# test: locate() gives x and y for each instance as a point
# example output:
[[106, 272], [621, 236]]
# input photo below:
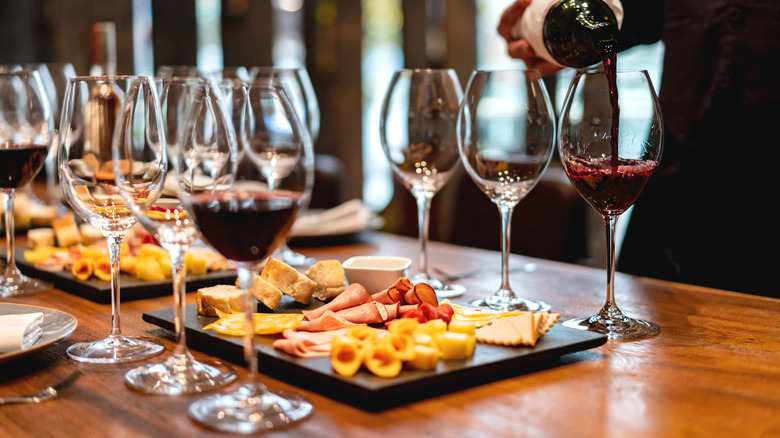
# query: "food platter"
[[131, 288], [364, 390], [56, 326]]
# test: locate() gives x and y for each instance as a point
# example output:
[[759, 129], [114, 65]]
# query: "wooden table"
[[713, 371]]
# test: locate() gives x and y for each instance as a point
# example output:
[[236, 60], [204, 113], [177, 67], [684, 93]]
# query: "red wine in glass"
[[244, 227], [610, 185], [19, 163]]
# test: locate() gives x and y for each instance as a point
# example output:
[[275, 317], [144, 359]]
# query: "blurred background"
[[350, 49]]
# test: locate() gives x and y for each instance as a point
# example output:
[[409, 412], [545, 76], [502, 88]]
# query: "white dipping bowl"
[[375, 273]]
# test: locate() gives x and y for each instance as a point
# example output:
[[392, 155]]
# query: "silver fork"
[[447, 277], [48, 393]]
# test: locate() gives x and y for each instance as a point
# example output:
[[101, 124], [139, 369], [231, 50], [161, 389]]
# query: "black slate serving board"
[[369, 392], [130, 288]]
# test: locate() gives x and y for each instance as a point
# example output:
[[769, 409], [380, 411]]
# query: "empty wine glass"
[[137, 167], [85, 162], [59, 72], [417, 130], [610, 140], [506, 137], [245, 213], [26, 130], [298, 87]]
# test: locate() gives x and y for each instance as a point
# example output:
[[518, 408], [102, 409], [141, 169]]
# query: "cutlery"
[[527, 267], [48, 393]]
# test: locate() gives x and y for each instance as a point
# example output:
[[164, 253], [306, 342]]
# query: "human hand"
[[520, 48]]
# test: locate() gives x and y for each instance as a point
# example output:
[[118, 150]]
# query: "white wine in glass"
[[89, 122], [170, 224]]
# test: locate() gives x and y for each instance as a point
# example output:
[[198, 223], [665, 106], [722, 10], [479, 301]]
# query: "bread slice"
[[90, 234], [66, 231], [265, 292], [330, 279], [37, 237], [226, 298], [288, 280]]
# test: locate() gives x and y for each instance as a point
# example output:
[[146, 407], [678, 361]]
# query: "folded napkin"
[[350, 217], [20, 331]]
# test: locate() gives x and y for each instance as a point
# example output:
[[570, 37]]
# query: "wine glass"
[[173, 228], [26, 130], [609, 152], [298, 87], [506, 129], [417, 130], [245, 213], [59, 72], [85, 162]]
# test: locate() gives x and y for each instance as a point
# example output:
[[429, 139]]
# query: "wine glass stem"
[[179, 269], [244, 279], [114, 241], [8, 196], [506, 234], [610, 221], [423, 223]]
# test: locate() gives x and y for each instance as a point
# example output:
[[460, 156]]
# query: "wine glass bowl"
[[169, 223], [26, 131], [610, 142], [506, 129], [96, 110], [418, 136], [245, 216]]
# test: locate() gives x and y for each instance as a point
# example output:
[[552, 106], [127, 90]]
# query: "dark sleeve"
[[642, 22]]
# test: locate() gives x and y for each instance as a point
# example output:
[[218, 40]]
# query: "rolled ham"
[[355, 295], [394, 293]]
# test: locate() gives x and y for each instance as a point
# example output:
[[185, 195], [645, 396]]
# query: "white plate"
[[56, 326]]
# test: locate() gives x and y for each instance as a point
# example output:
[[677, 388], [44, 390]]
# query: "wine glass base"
[[250, 409], [619, 328], [512, 304], [450, 290], [115, 349], [180, 375], [291, 257], [14, 283], [443, 290]]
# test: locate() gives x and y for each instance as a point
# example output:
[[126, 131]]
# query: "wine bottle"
[[571, 33], [103, 49]]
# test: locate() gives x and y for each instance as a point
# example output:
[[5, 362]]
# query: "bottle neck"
[[103, 49]]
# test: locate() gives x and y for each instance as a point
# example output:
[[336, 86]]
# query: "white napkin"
[[350, 217], [20, 331]]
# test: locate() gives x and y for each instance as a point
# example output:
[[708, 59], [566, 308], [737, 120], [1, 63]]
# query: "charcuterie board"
[[369, 392]]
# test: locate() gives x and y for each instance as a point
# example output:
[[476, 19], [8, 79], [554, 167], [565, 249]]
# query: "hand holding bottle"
[[551, 34], [520, 48]]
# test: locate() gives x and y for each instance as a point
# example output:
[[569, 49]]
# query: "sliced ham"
[[328, 321], [307, 344], [370, 313], [355, 295], [302, 347]]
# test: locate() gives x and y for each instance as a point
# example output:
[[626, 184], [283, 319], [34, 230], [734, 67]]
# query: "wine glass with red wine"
[[90, 119], [506, 129], [26, 131], [610, 139], [168, 222], [245, 213], [417, 131]]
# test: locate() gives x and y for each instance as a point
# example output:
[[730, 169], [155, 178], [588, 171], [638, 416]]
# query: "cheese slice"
[[524, 328]]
